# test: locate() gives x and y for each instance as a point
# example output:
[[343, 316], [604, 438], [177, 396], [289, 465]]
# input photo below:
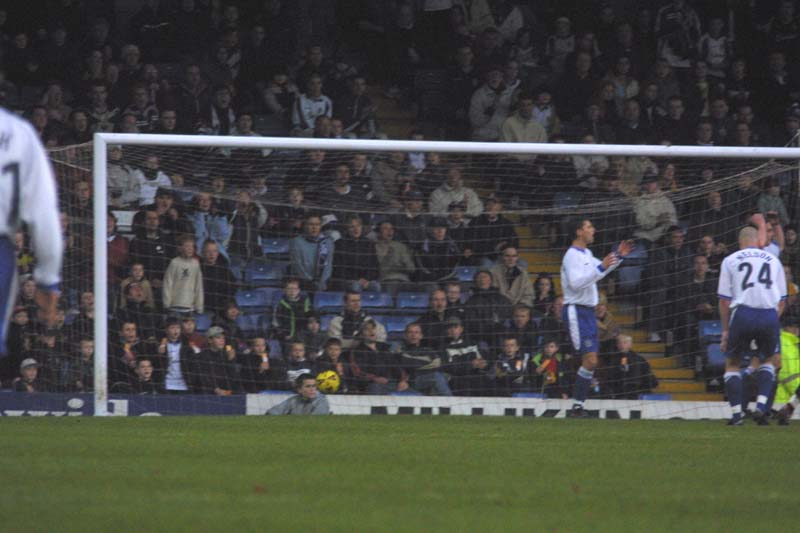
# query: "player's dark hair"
[[301, 378]]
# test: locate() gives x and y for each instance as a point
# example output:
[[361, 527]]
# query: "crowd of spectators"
[[630, 72]]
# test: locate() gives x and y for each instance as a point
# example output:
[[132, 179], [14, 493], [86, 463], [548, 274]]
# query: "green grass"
[[395, 474]]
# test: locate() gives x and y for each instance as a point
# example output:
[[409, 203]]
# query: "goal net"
[[230, 264]]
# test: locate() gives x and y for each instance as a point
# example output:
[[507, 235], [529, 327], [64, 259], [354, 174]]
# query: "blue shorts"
[[759, 325], [582, 327], [8, 287]]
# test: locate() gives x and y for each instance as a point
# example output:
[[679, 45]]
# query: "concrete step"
[[673, 373], [697, 397], [676, 385], [662, 363], [649, 347]]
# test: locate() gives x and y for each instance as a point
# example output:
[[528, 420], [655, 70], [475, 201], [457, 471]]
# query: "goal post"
[[740, 161]]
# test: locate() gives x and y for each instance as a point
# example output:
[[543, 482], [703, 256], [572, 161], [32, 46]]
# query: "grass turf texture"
[[395, 474]]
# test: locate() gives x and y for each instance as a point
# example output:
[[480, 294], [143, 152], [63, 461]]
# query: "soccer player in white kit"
[[580, 272], [27, 195], [752, 293]]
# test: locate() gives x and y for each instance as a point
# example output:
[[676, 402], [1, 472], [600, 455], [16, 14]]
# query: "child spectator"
[[312, 336], [137, 274], [628, 373], [29, 377], [511, 368], [297, 364], [264, 372], [331, 359], [552, 372], [291, 312], [183, 281]]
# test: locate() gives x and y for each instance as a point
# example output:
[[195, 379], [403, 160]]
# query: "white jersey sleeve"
[[752, 278], [28, 194], [580, 272]]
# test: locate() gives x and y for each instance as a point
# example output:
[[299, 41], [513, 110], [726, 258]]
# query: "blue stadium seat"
[[251, 324], [716, 359], [255, 300], [538, 395], [629, 277], [202, 322], [265, 273], [376, 300], [405, 393], [567, 200], [662, 397], [466, 273], [396, 323], [329, 301], [275, 247], [709, 331], [275, 349], [412, 300], [325, 321]]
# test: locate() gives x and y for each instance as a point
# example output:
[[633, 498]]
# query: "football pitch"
[[395, 473]]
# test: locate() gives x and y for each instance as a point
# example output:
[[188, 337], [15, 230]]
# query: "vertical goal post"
[[102, 141]]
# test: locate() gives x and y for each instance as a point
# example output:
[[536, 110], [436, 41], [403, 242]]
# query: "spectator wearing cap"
[[347, 325], [454, 190], [411, 224], [486, 309], [183, 280], [464, 363], [178, 362], [28, 381], [355, 263], [219, 365], [655, 213], [376, 369], [438, 254], [395, 260], [491, 232], [489, 106], [511, 280]]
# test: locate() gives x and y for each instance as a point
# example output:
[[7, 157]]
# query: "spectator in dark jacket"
[[219, 282], [629, 373], [375, 368], [220, 369], [487, 309], [152, 248], [246, 221], [262, 371], [465, 363], [332, 359], [422, 365], [438, 254], [491, 233], [355, 265], [29, 377], [177, 362], [291, 311], [433, 322]]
